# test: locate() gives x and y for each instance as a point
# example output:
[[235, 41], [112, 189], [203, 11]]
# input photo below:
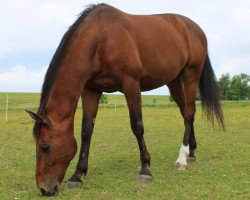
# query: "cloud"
[[20, 79], [234, 65], [2, 55], [33, 27], [27, 25]]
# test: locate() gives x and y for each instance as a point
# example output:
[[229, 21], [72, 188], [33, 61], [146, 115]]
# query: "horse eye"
[[45, 148]]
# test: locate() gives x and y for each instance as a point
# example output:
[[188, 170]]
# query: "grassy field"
[[221, 171]]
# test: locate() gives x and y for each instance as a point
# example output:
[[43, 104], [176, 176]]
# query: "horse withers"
[[107, 50]]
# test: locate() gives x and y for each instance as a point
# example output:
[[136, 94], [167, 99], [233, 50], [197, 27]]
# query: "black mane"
[[56, 61]]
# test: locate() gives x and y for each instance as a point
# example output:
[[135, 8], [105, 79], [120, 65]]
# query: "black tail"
[[210, 94]]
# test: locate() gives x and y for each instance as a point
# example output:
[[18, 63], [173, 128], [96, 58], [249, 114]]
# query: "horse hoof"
[[180, 167], [71, 185], [144, 178], [191, 159]]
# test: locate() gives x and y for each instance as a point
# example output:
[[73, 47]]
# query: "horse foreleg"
[[90, 101], [132, 93]]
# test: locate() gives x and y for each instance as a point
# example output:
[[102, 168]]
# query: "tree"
[[239, 87], [224, 85], [235, 88]]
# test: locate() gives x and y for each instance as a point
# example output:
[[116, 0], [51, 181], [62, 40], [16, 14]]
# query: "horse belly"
[[150, 84], [158, 78], [105, 84], [161, 67]]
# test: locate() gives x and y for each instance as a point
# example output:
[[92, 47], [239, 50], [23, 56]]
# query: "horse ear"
[[35, 116]]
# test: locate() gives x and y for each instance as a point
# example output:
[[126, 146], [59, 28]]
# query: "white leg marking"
[[184, 152]]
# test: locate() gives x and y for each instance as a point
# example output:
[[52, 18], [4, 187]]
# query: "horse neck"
[[63, 98], [65, 93], [71, 77]]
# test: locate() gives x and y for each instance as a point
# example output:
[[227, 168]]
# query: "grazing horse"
[[107, 50]]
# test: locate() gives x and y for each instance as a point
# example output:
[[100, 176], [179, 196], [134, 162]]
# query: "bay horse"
[[107, 50]]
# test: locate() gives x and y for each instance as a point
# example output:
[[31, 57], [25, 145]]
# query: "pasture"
[[220, 172]]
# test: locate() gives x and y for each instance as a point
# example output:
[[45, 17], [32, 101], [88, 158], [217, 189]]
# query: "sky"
[[30, 31]]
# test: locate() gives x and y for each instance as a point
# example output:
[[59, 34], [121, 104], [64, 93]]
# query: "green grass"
[[221, 171]]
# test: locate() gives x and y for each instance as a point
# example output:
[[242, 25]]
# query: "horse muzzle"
[[50, 190]]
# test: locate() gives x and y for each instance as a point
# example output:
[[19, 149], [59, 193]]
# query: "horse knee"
[[137, 128]]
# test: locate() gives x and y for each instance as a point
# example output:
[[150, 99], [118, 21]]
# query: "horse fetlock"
[[145, 170]]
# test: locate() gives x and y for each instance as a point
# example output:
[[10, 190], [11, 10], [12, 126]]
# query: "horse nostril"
[[42, 191], [56, 190]]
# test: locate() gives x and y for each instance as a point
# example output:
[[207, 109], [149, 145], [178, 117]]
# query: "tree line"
[[234, 88]]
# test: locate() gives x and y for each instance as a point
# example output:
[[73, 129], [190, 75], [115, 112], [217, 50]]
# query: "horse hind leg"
[[176, 91], [90, 100], [179, 92]]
